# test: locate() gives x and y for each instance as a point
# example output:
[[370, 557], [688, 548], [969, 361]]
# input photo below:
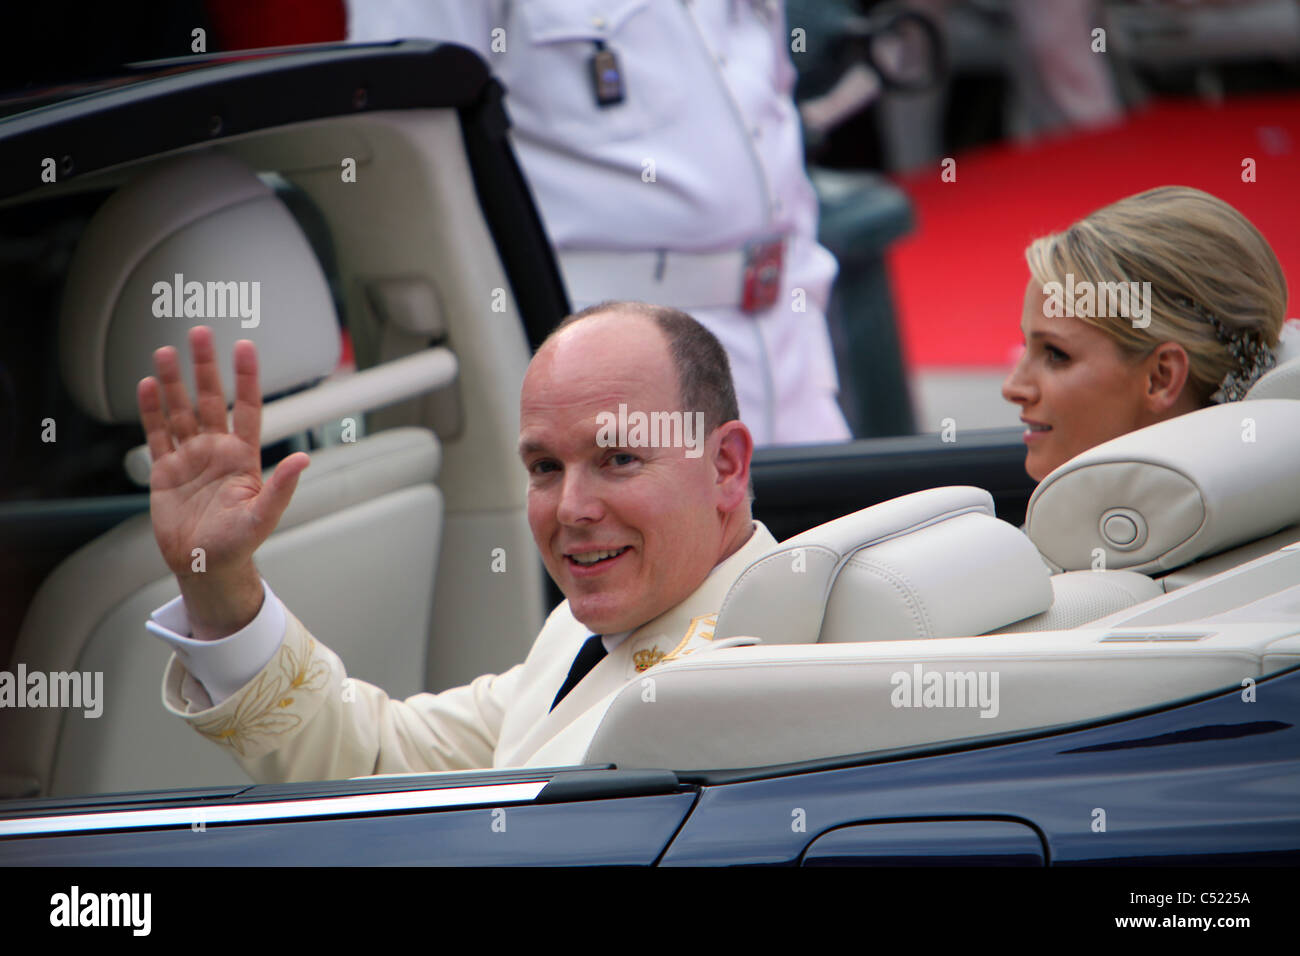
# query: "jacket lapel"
[[676, 632]]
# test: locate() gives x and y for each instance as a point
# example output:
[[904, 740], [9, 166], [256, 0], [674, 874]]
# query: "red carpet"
[[959, 279]]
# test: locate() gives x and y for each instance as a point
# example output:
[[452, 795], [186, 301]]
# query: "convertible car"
[[939, 665]]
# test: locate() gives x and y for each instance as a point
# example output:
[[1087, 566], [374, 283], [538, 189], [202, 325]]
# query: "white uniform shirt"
[[703, 155]]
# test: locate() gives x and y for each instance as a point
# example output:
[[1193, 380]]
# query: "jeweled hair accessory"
[[1247, 349]]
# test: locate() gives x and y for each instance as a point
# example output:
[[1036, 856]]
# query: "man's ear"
[[733, 448], [1168, 368]]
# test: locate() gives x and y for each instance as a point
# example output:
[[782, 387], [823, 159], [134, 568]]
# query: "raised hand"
[[206, 489]]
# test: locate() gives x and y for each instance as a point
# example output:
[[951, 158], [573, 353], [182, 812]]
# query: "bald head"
[[603, 349], [699, 360]]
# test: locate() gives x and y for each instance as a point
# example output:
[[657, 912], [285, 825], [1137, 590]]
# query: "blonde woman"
[[1153, 306]]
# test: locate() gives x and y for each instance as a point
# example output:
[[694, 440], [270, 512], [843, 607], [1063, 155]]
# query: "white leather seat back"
[[931, 564], [1280, 382], [355, 555], [1283, 380], [1081, 597], [1232, 558]]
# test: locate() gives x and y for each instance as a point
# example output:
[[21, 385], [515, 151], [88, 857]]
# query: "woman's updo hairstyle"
[[1217, 288]]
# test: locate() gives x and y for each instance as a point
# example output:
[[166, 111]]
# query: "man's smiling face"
[[627, 533]]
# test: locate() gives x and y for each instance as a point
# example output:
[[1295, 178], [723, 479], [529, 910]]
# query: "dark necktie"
[[591, 654]]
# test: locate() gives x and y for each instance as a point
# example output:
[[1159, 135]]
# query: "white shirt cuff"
[[222, 666]]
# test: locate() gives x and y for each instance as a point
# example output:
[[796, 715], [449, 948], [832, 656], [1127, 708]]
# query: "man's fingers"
[[248, 395], [180, 417], [274, 497], [151, 417], [207, 381]]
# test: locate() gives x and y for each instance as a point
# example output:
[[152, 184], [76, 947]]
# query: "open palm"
[[206, 488]]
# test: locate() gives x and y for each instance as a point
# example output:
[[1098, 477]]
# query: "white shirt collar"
[[612, 641]]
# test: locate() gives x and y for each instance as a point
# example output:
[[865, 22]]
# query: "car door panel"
[[1216, 781]]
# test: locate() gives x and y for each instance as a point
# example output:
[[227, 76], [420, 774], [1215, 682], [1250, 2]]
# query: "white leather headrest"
[[1163, 496], [932, 564], [1283, 380], [207, 218]]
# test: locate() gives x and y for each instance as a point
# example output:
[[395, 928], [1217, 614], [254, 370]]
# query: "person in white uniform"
[[665, 153], [644, 537]]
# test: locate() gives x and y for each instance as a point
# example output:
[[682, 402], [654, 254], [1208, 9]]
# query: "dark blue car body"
[[1193, 784]]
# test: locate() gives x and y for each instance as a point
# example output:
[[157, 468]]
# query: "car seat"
[[936, 563], [355, 554]]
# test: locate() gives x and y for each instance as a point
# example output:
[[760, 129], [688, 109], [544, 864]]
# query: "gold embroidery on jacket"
[[259, 710], [697, 628], [647, 658]]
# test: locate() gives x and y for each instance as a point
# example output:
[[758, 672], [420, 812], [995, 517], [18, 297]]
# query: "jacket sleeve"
[[302, 718]]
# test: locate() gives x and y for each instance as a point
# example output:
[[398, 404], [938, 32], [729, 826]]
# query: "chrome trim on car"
[[200, 815]]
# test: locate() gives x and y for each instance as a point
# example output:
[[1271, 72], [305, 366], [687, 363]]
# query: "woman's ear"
[[1168, 369]]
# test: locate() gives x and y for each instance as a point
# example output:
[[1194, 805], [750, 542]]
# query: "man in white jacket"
[[665, 153], [638, 501]]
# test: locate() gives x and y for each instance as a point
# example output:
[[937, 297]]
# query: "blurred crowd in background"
[[941, 136]]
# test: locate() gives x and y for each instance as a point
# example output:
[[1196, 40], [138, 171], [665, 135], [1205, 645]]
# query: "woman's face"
[[1074, 386]]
